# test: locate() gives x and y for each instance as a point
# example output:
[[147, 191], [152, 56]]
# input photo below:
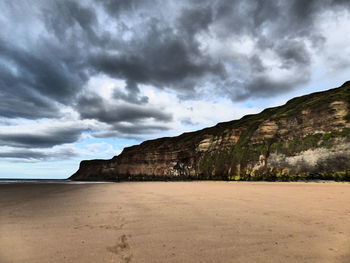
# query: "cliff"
[[307, 138]]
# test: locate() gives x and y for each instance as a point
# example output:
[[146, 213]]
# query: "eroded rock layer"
[[307, 138]]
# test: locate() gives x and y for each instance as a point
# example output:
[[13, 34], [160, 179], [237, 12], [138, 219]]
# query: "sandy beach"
[[175, 222]]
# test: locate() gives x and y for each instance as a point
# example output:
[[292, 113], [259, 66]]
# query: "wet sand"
[[175, 222]]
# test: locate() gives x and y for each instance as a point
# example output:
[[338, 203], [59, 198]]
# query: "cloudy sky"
[[83, 79]]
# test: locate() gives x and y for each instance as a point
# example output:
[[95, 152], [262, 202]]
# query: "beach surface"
[[175, 222]]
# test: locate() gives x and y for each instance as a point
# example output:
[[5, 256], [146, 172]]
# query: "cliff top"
[[290, 108]]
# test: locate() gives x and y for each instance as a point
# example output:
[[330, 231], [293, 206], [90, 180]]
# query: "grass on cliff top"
[[251, 122]]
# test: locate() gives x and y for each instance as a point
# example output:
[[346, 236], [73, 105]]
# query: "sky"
[[84, 79]]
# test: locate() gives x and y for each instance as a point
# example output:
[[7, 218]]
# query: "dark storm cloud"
[[37, 155], [138, 128], [116, 7], [38, 71], [162, 58], [266, 87], [40, 139], [27, 105], [305, 11], [195, 19], [293, 53], [130, 131], [72, 22], [131, 95], [34, 81], [125, 120], [66, 14], [95, 107], [17, 99], [283, 19]]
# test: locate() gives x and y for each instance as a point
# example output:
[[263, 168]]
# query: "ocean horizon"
[[46, 181]]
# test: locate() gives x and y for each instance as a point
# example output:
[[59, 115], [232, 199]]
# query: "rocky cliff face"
[[307, 138]]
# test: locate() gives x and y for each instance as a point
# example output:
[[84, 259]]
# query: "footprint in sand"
[[122, 249]]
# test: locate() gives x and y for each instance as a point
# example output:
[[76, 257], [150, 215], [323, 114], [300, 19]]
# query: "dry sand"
[[175, 222]]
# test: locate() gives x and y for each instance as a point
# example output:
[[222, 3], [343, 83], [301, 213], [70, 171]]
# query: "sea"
[[47, 181]]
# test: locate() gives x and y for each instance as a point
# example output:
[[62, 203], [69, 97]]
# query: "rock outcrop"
[[307, 138]]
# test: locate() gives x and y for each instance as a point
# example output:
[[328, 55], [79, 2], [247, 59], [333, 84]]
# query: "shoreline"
[[68, 181]]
